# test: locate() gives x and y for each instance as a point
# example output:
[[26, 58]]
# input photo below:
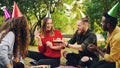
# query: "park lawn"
[[63, 60]]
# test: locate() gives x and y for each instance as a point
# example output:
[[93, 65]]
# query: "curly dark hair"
[[19, 26]]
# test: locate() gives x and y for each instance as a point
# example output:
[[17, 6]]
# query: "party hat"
[[7, 14], [48, 14], [82, 14], [16, 11], [113, 12]]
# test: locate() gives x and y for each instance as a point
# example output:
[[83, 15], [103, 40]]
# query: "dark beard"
[[78, 32]]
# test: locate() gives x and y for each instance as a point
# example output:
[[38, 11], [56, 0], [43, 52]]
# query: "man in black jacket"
[[83, 37]]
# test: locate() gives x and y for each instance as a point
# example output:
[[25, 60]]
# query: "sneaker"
[[33, 62]]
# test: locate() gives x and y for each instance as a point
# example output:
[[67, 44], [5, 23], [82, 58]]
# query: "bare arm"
[[8, 66], [95, 49], [56, 47], [78, 47]]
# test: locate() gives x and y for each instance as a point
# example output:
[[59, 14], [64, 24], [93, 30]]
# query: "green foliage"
[[98, 28], [94, 9], [1, 20], [59, 20], [35, 10], [64, 18], [102, 46], [68, 1]]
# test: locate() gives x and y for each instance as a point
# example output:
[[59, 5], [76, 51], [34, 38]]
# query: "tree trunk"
[[32, 41]]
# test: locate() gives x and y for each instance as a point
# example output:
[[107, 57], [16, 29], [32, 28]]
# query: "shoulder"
[[117, 36], [116, 33], [56, 31], [9, 36], [11, 33], [91, 32]]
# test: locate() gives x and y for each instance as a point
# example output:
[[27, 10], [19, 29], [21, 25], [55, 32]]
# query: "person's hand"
[[48, 43], [59, 44], [36, 34], [64, 44], [8, 65], [57, 40], [16, 60], [93, 48]]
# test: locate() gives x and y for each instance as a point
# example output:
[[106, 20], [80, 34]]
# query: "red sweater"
[[46, 50]]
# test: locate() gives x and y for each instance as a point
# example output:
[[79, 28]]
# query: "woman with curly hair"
[[14, 40]]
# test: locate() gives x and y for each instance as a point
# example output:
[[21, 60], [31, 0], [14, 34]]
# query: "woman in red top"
[[49, 51]]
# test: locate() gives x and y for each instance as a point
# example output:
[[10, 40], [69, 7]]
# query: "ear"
[[108, 25]]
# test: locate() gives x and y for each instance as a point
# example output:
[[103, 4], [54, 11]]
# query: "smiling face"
[[80, 26], [49, 25]]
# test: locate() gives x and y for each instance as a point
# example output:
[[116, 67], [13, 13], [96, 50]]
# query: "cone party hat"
[[113, 12], [48, 14], [82, 14], [6, 12], [16, 11]]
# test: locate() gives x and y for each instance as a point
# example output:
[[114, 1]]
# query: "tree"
[[73, 9], [35, 10], [94, 9], [63, 17]]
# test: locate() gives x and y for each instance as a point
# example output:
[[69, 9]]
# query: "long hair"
[[19, 26], [43, 28]]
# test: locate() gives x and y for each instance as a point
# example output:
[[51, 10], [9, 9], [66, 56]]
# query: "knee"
[[86, 61], [85, 58]]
